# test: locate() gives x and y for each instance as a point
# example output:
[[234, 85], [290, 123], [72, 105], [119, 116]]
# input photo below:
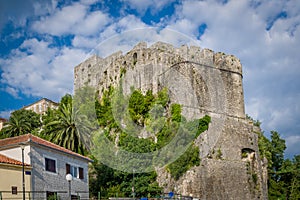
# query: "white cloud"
[[84, 42], [18, 12], [62, 21], [38, 70], [12, 91], [185, 26], [92, 23], [126, 40], [72, 19], [292, 142], [142, 5]]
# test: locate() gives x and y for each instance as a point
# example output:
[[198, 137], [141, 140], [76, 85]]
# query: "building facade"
[[49, 164], [41, 106], [11, 178], [2, 121]]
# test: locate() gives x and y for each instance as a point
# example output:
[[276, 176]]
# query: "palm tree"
[[69, 129], [21, 122]]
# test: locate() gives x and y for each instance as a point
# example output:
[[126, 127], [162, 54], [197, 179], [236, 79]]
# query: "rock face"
[[203, 82]]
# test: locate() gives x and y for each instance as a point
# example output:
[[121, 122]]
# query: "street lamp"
[[23, 177], [69, 178]]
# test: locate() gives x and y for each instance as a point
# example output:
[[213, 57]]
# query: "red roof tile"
[[28, 138], [7, 160]]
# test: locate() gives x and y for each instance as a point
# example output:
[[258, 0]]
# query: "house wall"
[[11, 175], [16, 153], [41, 106], [43, 180], [2, 121]]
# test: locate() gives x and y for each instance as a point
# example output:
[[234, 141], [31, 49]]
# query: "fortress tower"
[[204, 83]]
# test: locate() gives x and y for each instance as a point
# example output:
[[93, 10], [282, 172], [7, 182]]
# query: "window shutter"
[[68, 167], [81, 173]]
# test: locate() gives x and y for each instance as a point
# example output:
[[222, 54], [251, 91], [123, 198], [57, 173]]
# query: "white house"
[[41, 106], [49, 164]]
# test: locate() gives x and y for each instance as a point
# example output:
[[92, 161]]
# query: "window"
[[50, 165], [14, 190], [76, 172], [81, 173]]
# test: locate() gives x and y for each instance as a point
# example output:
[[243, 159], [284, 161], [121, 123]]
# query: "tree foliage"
[[21, 122], [67, 127], [114, 183], [283, 174], [154, 115]]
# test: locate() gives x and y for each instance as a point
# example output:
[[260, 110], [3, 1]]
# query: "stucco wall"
[[16, 153], [12, 176]]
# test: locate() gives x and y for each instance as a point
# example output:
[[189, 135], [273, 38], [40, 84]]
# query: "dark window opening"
[[50, 165], [134, 58], [248, 153], [68, 169], [81, 176], [27, 172], [14, 190]]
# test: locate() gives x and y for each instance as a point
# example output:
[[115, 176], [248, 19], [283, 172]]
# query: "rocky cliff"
[[204, 83]]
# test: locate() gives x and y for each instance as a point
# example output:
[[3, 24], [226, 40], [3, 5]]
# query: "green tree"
[[283, 174], [295, 180], [276, 186], [21, 122], [68, 128], [110, 182], [277, 151]]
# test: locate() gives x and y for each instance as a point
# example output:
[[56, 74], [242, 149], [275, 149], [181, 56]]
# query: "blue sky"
[[42, 41]]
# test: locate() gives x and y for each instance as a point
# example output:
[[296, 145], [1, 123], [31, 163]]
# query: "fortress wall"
[[203, 82]]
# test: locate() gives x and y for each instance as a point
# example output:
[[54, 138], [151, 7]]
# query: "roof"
[[29, 138], [41, 100], [7, 160], [3, 119]]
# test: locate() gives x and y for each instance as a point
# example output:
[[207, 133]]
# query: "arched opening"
[[134, 58], [248, 154]]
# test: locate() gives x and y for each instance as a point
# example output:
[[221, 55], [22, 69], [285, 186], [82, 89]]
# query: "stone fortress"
[[203, 82]]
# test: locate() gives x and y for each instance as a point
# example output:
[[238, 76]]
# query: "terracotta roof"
[[28, 138], [7, 160]]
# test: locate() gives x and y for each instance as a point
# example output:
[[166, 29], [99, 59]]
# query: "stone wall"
[[148, 68], [43, 180], [203, 82]]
